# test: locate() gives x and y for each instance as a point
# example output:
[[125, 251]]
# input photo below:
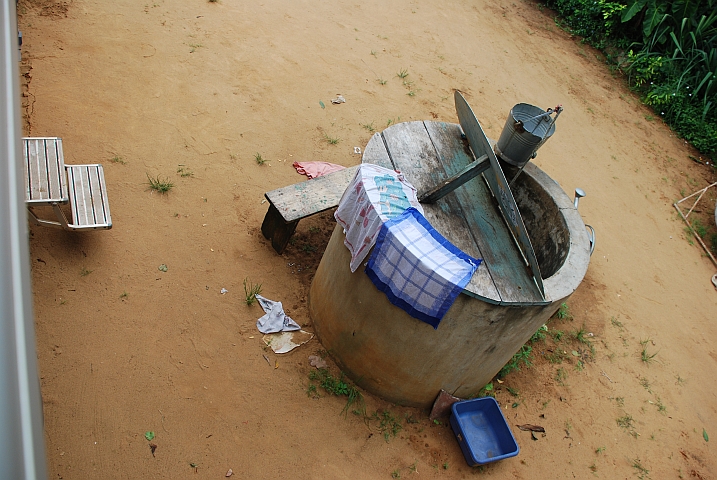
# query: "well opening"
[[544, 222]]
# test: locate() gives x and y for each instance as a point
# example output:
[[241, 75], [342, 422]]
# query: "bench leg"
[[276, 229], [48, 223]]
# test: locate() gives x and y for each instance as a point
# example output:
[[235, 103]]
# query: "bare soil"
[[148, 88]]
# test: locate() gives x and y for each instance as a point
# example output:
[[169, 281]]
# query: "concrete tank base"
[[404, 360]]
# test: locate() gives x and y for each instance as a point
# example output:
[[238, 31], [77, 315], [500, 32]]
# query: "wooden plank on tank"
[[375, 153], [501, 256], [499, 186], [303, 199], [412, 152]]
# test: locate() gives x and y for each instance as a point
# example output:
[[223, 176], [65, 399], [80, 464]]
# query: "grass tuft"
[[564, 312], [560, 376], [645, 355], [184, 172], [642, 472], [368, 126], [331, 140], [159, 185], [251, 291]]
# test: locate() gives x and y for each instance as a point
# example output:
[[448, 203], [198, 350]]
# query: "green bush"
[[595, 21], [667, 49]]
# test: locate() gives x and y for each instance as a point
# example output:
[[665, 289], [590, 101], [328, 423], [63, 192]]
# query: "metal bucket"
[[523, 134]]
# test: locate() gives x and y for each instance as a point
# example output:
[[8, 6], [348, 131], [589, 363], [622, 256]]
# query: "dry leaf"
[[531, 428]]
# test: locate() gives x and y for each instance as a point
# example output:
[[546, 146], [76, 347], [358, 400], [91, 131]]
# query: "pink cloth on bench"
[[316, 169]]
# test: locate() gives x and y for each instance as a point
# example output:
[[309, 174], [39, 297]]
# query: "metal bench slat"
[[44, 165], [55, 162], [88, 197]]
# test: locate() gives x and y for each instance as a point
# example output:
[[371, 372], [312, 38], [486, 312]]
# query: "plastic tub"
[[482, 431]]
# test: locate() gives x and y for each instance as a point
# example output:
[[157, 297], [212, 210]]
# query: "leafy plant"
[[539, 334], [339, 387], [308, 248], [258, 158], [625, 421], [557, 335], [388, 424], [521, 356], [487, 390], [311, 391], [564, 312], [402, 74]]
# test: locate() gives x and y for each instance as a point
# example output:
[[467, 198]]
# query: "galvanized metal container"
[[523, 134]]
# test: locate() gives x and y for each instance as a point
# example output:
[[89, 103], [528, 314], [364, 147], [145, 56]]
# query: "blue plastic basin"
[[482, 431]]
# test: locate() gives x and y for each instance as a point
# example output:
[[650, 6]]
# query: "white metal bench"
[[47, 185]]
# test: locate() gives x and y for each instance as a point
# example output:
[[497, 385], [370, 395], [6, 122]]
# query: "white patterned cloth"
[[376, 194], [417, 268], [274, 319]]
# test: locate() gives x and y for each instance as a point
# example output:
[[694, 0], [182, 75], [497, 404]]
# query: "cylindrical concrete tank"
[[406, 361]]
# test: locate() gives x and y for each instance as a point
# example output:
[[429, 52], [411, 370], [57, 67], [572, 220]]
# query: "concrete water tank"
[[401, 359]]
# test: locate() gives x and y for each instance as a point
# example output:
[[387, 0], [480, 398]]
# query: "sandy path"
[[205, 86]]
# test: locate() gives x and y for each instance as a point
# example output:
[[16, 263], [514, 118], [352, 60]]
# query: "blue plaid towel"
[[417, 268]]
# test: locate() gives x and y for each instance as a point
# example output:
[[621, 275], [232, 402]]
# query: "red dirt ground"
[[149, 88]]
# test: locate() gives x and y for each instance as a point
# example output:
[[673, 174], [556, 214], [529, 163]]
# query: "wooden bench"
[[290, 204], [47, 184]]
